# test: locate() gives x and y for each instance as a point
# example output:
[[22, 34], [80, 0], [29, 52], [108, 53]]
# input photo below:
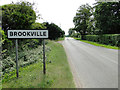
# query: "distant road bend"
[[92, 66]]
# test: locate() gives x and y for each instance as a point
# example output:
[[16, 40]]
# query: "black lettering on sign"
[[24, 33], [11, 33], [41, 34], [19, 34], [33, 33], [44, 33], [28, 33], [15, 33], [38, 34]]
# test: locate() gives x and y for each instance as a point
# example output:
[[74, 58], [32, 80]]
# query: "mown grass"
[[97, 44], [59, 70], [58, 73]]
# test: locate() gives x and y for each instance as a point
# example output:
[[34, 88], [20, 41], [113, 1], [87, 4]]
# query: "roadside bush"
[[108, 39], [16, 17], [27, 55]]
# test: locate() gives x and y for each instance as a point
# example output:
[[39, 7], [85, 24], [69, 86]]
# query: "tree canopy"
[[103, 18], [107, 16], [38, 26], [80, 20], [18, 16], [71, 32], [55, 31]]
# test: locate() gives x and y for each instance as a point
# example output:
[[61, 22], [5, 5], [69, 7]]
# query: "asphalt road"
[[92, 66]]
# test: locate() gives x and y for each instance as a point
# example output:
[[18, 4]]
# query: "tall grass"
[[58, 73]]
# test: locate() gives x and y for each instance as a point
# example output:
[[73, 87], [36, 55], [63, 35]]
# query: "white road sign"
[[27, 33]]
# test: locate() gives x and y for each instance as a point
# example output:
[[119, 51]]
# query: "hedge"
[[108, 39]]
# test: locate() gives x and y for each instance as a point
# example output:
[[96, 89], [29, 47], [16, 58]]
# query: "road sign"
[[27, 34]]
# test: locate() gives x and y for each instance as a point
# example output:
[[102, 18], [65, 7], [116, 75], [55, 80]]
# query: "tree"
[[91, 25], [80, 20], [71, 31], [107, 16], [38, 26], [0, 17], [18, 16], [55, 31]]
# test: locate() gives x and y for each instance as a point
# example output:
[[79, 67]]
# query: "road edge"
[[74, 72]]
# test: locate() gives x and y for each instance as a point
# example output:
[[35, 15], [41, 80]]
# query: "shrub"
[[108, 39]]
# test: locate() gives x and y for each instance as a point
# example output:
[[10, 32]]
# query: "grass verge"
[[97, 44], [60, 39], [58, 73]]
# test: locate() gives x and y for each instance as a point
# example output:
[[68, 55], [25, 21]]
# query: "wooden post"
[[44, 66], [17, 72]]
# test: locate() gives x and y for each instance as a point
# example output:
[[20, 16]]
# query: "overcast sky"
[[60, 12]]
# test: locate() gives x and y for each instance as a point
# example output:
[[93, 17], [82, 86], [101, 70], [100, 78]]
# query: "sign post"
[[44, 66], [17, 72], [28, 34]]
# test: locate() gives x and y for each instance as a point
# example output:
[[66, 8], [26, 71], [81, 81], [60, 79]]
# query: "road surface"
[[92, 66]]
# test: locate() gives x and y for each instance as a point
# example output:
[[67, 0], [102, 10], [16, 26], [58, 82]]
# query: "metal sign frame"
[[27, 34]]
